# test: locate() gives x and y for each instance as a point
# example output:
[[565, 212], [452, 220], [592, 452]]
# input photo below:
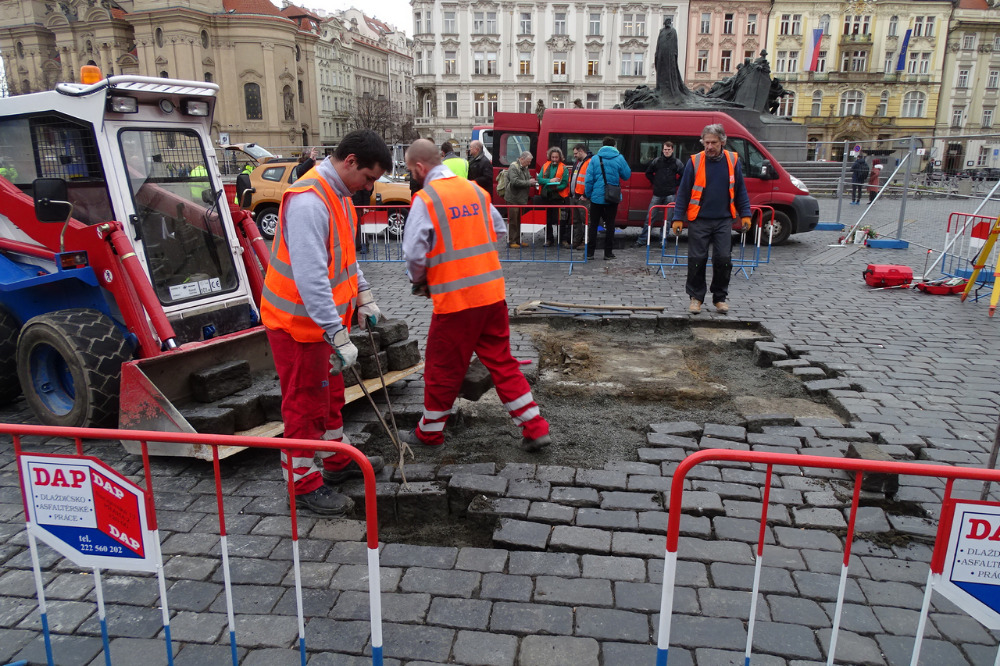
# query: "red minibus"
[[639, 136]]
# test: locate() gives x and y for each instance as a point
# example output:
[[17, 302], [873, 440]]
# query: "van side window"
[[750, 157], [512, 145]]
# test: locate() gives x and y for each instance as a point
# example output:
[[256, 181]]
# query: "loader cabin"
[[639, 136], [136, 150]]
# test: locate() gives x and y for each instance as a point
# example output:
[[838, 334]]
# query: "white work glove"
[[368, 312], [345, 354]]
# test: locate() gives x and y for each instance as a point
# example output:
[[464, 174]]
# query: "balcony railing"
[[421, 121], [856, 39]]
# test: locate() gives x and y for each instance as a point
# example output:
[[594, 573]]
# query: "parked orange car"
[[270, 180]]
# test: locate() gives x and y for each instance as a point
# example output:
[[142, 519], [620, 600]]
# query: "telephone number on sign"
[[101, 549]]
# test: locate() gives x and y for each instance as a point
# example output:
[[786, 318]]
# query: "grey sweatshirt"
[[305, 224]]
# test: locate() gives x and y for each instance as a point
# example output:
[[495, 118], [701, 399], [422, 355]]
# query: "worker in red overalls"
[[449, 245], [312, 287]]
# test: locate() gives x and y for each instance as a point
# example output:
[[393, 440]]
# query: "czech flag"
[[817, 35]]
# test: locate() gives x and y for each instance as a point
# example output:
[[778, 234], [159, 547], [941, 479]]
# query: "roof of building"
[[972, 4], [263, 7]]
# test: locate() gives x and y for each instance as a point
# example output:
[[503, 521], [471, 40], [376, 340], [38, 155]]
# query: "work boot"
[[325, 502], [721, 307], [410, 437], [352, 471], [536, 444], [695, 306]]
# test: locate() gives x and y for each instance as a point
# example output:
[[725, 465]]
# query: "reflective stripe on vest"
[[581, 177], [698, 160], [564, 192], [463, 268], [281, 305]]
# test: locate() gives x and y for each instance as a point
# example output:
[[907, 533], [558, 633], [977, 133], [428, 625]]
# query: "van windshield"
[[750, 157]]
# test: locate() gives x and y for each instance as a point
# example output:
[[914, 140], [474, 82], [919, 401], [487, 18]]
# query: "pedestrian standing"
[[519, 184], [553, 180], [610, 169], [458, 165], [711, 196], [450, 250], [663, 174], [480, 169], [307, 312], [578, 189], [873, 183], [859, 176]]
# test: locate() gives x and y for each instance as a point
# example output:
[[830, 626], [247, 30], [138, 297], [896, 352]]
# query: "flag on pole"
[[901, 63], [817, 35]]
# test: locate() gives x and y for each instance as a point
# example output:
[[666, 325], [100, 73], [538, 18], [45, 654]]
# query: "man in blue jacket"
[[607, 167], [711, 196]]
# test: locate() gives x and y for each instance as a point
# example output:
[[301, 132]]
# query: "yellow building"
[[261, 57], [876, 74]]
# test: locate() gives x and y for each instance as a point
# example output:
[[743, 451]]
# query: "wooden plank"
[[275, 428]]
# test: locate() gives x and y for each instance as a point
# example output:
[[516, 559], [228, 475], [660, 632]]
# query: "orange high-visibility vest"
[[564, 192], [581, 176], [694, 207], [463, 268], [281, 305]]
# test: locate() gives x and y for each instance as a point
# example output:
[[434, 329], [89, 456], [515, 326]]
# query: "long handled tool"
[[400, 445]]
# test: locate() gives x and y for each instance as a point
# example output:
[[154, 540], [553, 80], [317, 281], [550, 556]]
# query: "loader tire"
[[69, 363], [9, 386]]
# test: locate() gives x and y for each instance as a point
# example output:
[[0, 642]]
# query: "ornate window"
[[883, 105], [786, 106], [251, 99], [852, 103], [817, 103]]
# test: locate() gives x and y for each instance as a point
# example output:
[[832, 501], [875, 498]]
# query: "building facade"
[[474, 59], [864, 72], [261, 57], [966, 117], [722, 35]]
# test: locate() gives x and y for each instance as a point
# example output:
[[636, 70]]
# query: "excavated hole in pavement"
[[600, 386]]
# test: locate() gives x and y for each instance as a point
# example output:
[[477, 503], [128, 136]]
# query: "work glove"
[[368, 312], [345, 354], [420, 289], [745, 223], [677, 227]]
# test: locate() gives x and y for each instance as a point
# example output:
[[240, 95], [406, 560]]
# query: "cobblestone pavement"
[[574, 571]]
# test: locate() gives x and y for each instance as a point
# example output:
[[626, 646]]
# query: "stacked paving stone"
[[387, 347], [229, 400]]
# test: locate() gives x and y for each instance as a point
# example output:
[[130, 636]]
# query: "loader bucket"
[[155, 391]]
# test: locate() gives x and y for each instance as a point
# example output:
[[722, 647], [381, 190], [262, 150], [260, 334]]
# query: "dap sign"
[[87, 512], [971, 574]]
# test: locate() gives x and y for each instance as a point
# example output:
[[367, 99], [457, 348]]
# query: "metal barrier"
[[859, 467], [381, 235], [964, 237], [99, 519], [745, 261]]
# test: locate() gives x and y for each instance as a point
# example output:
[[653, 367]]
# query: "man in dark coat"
[[663, 173], [859, 176], [480, 169]]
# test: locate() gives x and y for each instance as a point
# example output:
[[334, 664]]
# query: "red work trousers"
[[311, 404], [450, 342]]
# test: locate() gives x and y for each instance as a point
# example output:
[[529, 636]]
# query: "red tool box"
[[887, 275]]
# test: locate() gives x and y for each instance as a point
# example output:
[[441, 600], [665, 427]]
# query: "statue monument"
[[750, 95]]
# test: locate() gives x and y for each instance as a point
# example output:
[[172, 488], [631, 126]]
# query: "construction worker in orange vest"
[[307, 312], [449, 245], [711, 196], [578, 179], [553, 182]]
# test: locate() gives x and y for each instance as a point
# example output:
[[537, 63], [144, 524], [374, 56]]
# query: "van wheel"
[[69, 363], [267, 222], [10, 388], [397, 220], [777, 230]]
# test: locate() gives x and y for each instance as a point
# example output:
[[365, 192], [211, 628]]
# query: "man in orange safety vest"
[[307, 312], [449, 245], [710, 197]]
